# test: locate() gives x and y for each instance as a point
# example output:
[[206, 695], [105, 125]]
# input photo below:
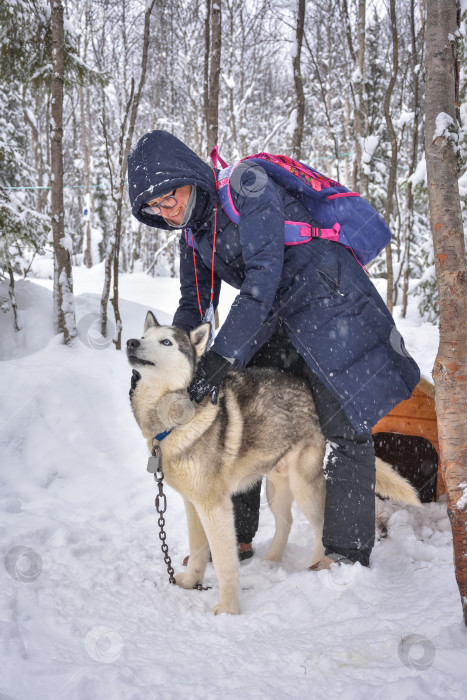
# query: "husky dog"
[[264, 423]]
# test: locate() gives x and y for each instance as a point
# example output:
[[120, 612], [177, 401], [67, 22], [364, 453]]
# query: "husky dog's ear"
[[200, 337], [150, 322]]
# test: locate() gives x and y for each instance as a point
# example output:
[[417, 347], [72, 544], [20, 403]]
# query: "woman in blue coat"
[[310, 309]]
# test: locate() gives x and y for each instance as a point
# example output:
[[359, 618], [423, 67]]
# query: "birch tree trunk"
[[87, 258], [64, 305], [450, 369], [393, 138], [214, 76], [298, 80], [86, 145]]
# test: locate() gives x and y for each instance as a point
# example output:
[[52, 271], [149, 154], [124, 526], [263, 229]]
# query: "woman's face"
[[175, 215]]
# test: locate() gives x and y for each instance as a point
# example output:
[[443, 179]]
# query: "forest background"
[[338, 84]]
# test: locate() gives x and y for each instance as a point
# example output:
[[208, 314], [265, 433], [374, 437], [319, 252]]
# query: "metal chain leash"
[[161, 507], [155, 467]]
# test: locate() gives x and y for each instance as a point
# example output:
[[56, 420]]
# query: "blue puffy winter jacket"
[[332, 312]]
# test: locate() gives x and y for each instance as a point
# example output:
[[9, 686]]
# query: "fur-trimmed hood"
[[160, 163]]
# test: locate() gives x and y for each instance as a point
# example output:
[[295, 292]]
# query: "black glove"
[[209, 376], [135, 377]]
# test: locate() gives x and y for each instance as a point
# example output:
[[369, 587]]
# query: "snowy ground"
[[86, 611]]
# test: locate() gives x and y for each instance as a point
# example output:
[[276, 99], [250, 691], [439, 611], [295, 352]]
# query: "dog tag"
[[154, 461], [209, 318]]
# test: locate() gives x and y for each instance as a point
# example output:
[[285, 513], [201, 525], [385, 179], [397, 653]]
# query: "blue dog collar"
[[160, 436]]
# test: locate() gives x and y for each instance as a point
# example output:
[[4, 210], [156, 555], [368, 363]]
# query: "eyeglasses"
[[167, 203]]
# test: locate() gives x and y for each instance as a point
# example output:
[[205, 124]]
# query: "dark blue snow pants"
[[349, 519]]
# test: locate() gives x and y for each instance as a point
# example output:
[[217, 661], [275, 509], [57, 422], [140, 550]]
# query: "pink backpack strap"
[[215, 157], [295, 232], [225, 195]]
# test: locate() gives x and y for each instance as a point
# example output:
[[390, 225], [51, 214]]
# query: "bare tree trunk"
[[298, 80], [109, 252], [87, 193], [78, 197], [136, 249], [325, 94], [359, 177], [35, 142], [450, 369], [214, 75], [85, 145], [106, 290], [11, 293], [126, 138], [242, 108], [64, 306], [361, 112], [392, 135], [413, 162], [233, 122], [47, 141], [207, 46], [156, 78], [347, 139]]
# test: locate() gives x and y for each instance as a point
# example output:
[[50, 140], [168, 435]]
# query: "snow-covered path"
[[86, 610]]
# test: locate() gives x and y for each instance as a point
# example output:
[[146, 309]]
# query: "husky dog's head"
[[167, 353]]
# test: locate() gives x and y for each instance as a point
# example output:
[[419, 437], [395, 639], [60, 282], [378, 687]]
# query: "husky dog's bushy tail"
[[389, 484]]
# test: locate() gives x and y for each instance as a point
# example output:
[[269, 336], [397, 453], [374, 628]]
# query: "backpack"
[[341, 215]]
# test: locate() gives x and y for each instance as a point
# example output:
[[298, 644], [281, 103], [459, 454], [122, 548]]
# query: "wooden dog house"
[[408, 438]]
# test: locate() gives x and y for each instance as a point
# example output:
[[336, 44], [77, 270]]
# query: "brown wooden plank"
[[409, 426], [419, 406]]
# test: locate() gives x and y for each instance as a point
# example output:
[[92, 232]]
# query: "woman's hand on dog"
[[209, 376]]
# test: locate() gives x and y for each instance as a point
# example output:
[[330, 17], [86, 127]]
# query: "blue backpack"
[[341, 215]]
